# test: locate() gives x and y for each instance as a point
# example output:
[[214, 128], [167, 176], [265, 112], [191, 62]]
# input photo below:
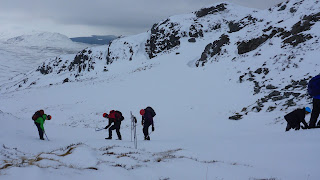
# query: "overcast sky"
[[99, 17]]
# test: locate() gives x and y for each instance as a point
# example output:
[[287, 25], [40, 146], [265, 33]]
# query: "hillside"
[[220, 79], [20, 54]]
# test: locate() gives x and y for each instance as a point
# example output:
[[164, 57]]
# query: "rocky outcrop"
[[211, 10], [163, 37], [213, 49]]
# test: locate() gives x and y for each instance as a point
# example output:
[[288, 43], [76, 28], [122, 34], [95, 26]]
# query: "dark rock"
[[283, 8], [241, 78], [256, 88], [271, 108], [192, 40], [236, 117], [288, 86], [213, 49], [297, 39], [296, 94], [290, 103], [274, 93], [303, 82], [295, 36], [195, 31], [287, 94], [45, 69], [264, 100], [277, 98], [234, 27], [258, 71], [270, 87], [257, 108], [66, 80], [237, 26], [268, 29], [293, 10], [163, 37], [212, 10], [251, 45], [247, 46], [216, 26]]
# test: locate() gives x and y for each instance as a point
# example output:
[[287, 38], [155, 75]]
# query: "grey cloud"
[[124, 15]]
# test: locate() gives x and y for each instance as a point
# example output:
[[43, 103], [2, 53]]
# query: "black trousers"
[[146, 129], [315, 113], [116, 127], [39, 130]]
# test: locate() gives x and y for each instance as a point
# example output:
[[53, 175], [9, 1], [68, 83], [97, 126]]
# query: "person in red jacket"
[[114, 117]]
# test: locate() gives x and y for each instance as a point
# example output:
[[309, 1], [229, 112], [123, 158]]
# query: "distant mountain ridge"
[[20, 53], [95, 39], [43, 39]]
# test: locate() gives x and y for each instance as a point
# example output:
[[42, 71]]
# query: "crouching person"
[[39, 118], [116, 118], [296, 117]]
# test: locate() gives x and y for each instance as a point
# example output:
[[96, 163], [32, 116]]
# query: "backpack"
[[119, 115], [314, 86], [151, 111], [37, 114]]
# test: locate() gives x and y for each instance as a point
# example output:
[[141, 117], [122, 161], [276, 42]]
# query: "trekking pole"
[[131, 124], [99, 129], [46, 135], [135, 136]]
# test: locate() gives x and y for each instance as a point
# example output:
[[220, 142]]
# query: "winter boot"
[[147, 138], [108, 138]]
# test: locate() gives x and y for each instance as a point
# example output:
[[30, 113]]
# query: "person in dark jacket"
[[116, 118], [315, 112], [41, 118], [147, 120], [296, 117], [314, 91]]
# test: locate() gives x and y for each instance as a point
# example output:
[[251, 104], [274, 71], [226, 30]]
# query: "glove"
[[135, 120], [142, 123], [152, 128]]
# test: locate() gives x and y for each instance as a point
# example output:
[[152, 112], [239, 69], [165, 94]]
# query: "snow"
[[21, 54], [193, 137]]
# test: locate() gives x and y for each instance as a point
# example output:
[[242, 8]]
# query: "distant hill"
[[94, 39]]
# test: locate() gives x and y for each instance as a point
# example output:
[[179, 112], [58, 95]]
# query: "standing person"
[[315, 112], [147, 120], [116, 118], [296, 117], [39, 118], [314, 91]]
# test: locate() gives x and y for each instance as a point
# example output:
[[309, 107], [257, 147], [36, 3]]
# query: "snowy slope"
[[47, 40], [21, 53], [197, 71]]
